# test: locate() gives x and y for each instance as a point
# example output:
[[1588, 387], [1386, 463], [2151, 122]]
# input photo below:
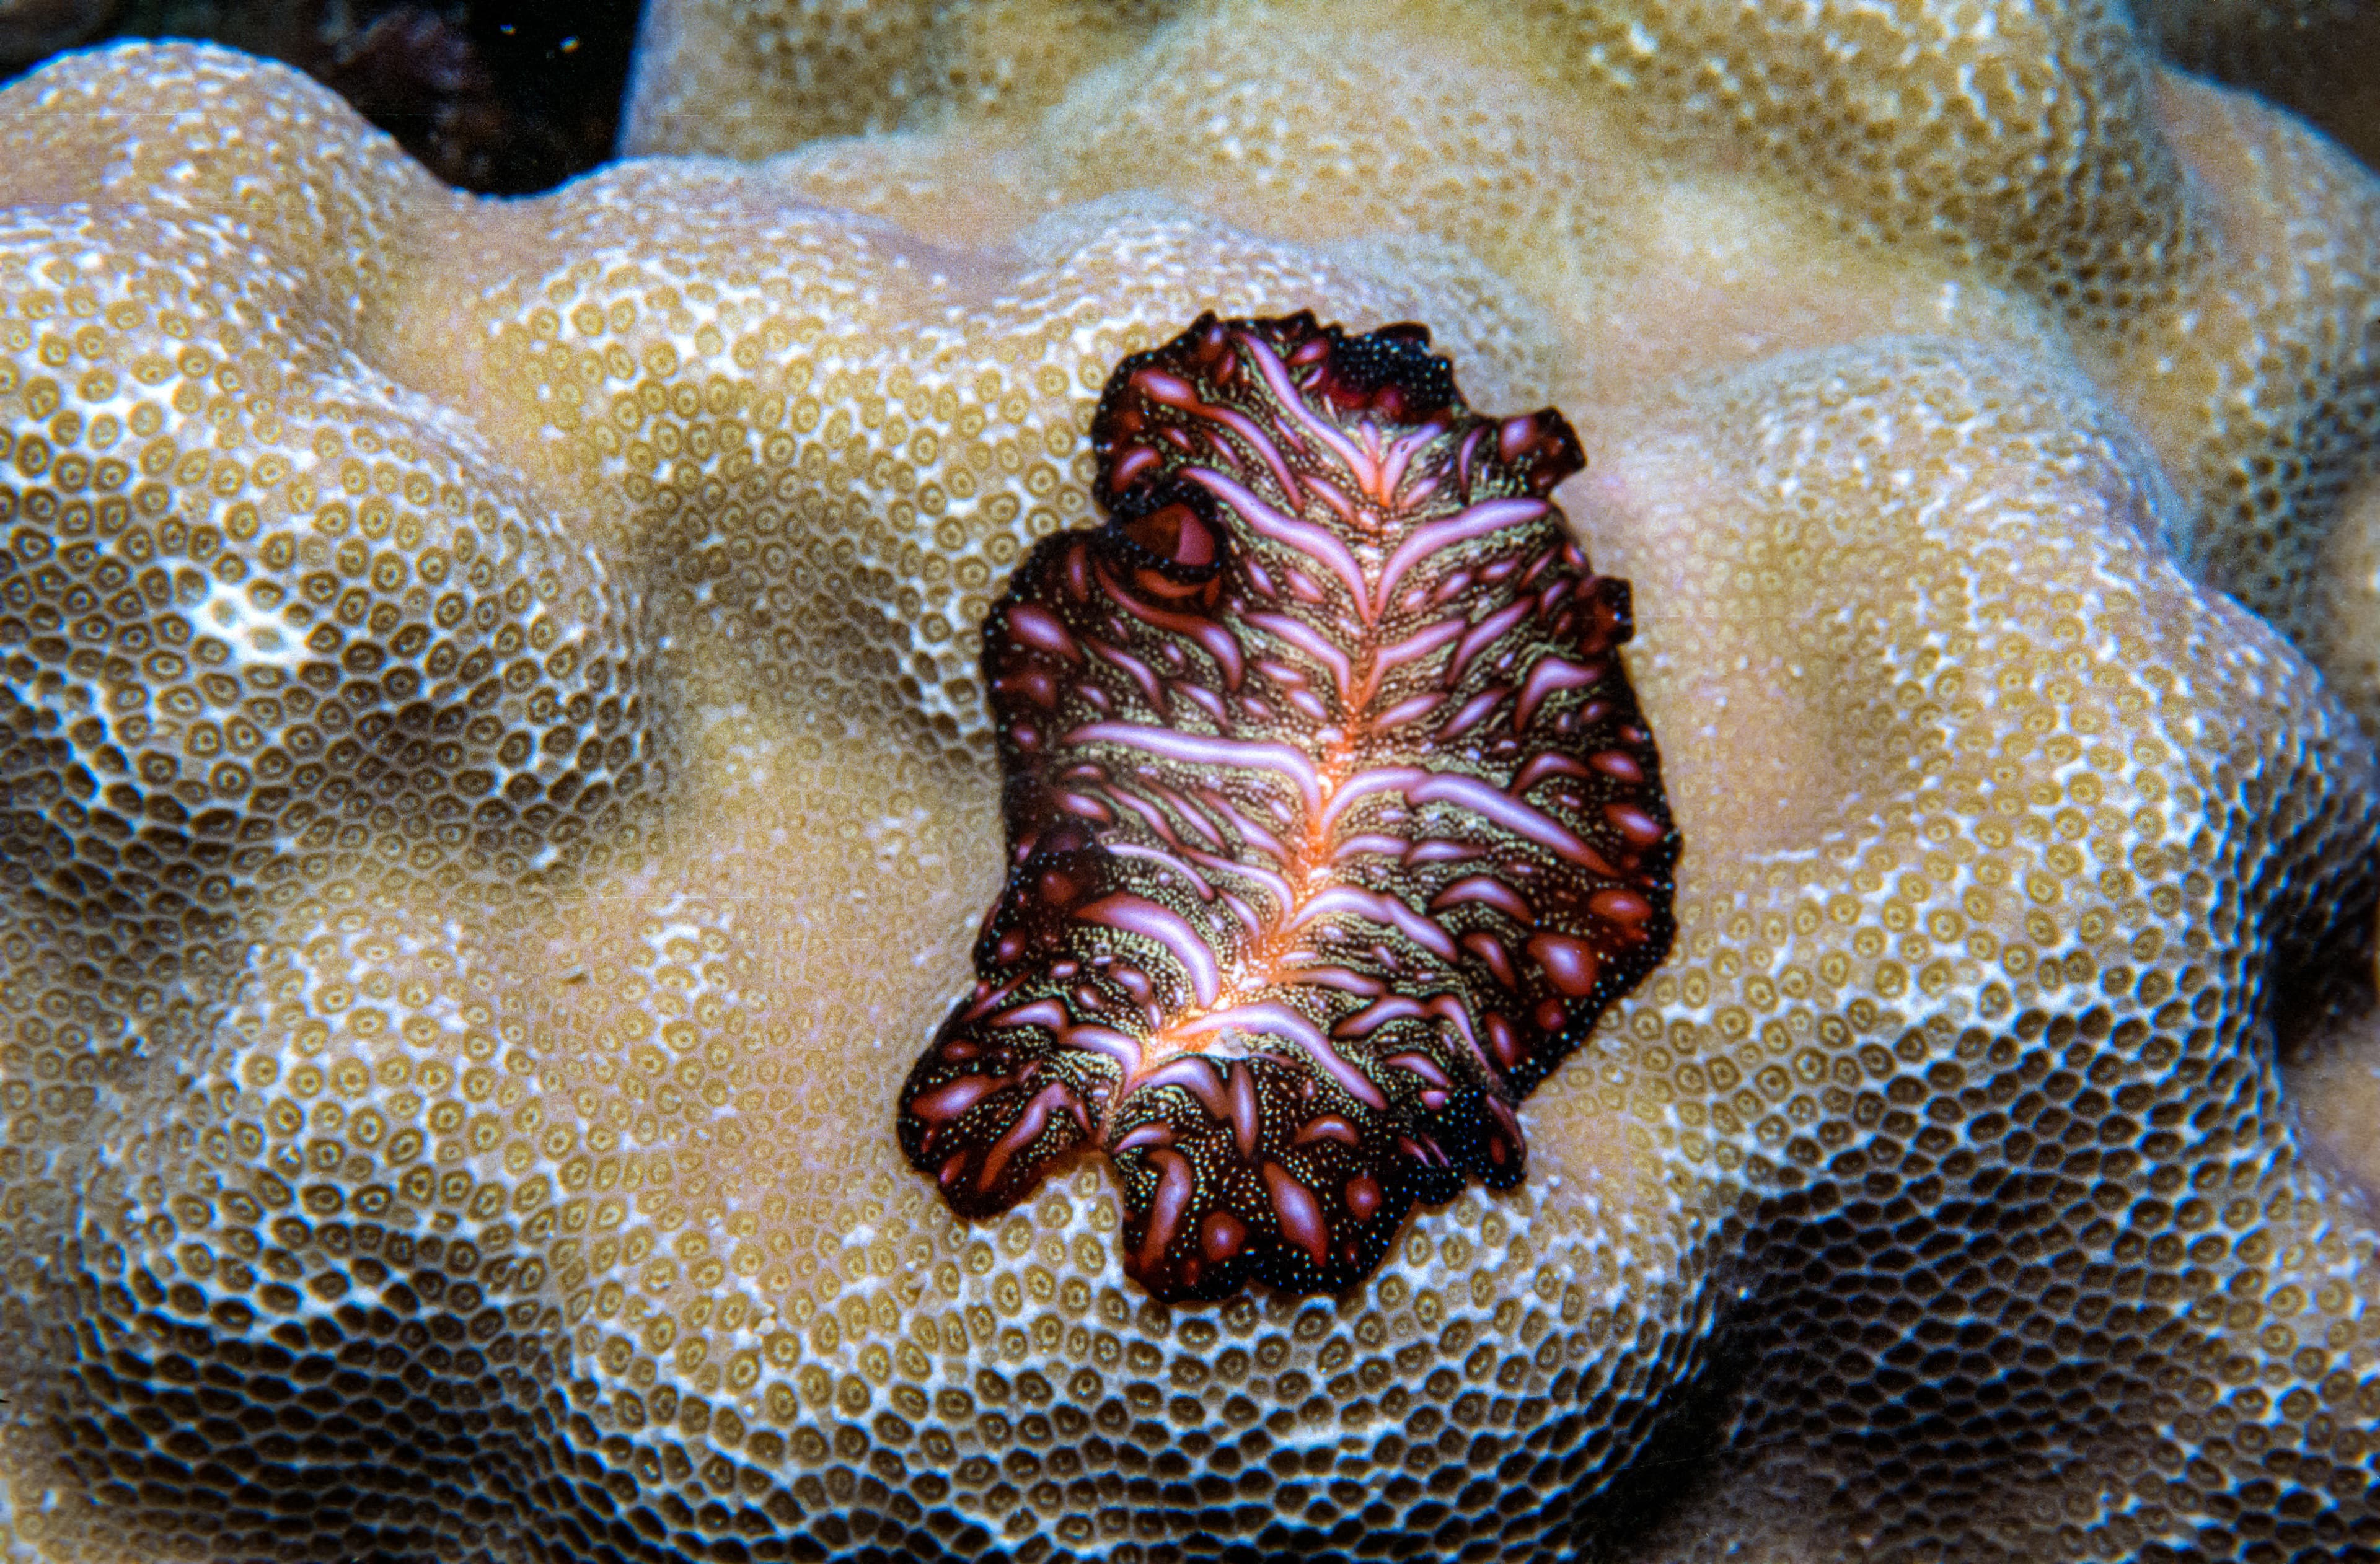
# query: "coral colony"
[[1858, 1041]]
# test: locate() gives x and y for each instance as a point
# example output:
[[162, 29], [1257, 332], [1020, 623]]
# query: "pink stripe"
[[1346, 1075], [1328, 493], [1372, 1017], [1041, 1013], [1306, 639], [1154, 1133], [1362, 784], [1254, 434], [948, 1102], [1273, 884], [1551, 673], [1175, 1184], [1280, 1021], [1418, 644], [1301, 1215], [1487, 891], [1132, 915], [1167, 861], [1400, 455], [1339, 978], [1371, 842], [1142, 674], [1050, 1013], [1328, 1127], [1317, 543], [1246, 1123], [1266, 1018], [1506, 1117], [1407, 710], [1484, 633], [1423, 1151], [1473, 710], [1205, 701], [1386, 911], [1223, 648], [1489, 516], [1198, 750], [1101, 1039], [1036, 627], [1194, 1076], [1426, 787], [1027, 1129], [1250, 832], [1450, 1010], [1147, 811], [1293, 402], [1190, 818], [1489, 949], [1513, 815], [989, 998], [1423, 1066], [1171, 393], [1543, 764]]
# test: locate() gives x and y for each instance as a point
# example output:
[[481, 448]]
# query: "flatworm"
[[1332, 821]]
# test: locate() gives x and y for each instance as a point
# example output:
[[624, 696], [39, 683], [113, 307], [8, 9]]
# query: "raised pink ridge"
[[1332, 821]]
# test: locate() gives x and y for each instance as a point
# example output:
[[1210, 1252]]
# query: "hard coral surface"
[[499, 792]]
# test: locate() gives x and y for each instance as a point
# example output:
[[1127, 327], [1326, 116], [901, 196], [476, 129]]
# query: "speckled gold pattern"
[[477, 1147]]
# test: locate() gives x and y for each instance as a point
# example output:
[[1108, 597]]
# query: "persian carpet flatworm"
[[1332, 821]]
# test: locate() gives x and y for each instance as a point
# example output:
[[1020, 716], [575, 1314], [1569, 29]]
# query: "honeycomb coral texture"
[[500, 792]]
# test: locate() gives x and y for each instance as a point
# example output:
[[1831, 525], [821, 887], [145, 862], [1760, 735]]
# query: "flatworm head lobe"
[[1332, 821]]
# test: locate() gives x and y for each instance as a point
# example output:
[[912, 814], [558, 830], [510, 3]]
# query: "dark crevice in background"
[[502, 99], [507, 99], [2320, 58]]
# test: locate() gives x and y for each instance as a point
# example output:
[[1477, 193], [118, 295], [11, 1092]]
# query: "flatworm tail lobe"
[[1332, 821]]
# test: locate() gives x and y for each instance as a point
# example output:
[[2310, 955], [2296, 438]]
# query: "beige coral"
[[497, 793]]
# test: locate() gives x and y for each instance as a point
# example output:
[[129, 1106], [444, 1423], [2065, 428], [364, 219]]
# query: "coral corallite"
[[502, 790]]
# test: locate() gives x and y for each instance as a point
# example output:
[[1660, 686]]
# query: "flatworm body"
[[1332, 821]]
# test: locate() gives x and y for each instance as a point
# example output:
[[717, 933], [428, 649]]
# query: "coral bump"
[[1332, 821]]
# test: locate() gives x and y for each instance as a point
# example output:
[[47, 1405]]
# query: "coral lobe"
[[1333, 822]]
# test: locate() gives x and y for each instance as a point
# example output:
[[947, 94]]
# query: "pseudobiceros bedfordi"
[[1332, 821]]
